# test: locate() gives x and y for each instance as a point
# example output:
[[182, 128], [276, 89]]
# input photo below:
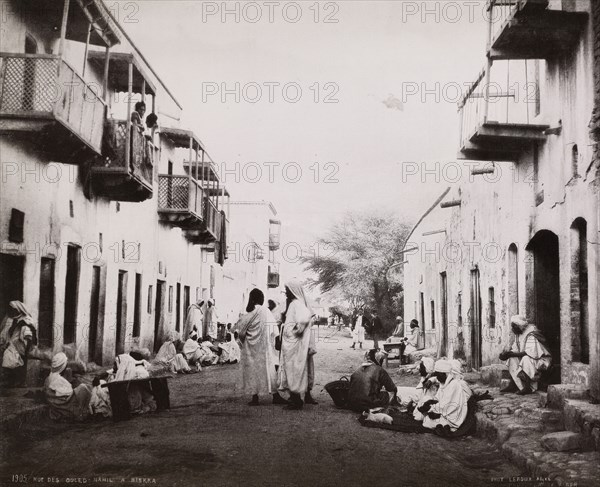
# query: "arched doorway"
[[543, 277]]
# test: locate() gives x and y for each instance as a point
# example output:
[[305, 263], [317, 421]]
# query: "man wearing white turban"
[[449, 408], [66, 402], [192, 350], [406, 395], [527, 356]]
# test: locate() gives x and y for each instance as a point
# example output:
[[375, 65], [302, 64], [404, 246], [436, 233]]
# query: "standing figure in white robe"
[[210, 327], [358, 334], [257, 354], [527, 356], [298, 345], [451, 408], [194, 318]]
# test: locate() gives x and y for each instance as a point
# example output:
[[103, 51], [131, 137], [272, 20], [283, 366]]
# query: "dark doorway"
[[443, 350], [475, 320], [159, 311], [178, 308], [11, 280], [186, 301], [422, 310], [546, 289], [46, 304], [137, 311], [71, 293], [121, 312], [94, 315]]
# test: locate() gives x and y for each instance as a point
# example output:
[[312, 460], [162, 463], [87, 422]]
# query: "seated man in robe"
[[168, 357], [127, 368], [66, 403], [366, 384], [192, 351], [449, 408], [230, 350], [527, 356], [407, 395], [210, 350]]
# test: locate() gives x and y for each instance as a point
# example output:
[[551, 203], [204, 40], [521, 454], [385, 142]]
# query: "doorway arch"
[[543, 277]]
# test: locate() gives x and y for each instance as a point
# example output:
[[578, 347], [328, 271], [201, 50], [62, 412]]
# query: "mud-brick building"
[[520, 232], [108, 231]]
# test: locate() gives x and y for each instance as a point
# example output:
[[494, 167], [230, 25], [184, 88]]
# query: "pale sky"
[[376, 52]]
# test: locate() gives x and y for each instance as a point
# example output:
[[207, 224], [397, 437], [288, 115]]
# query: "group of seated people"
[[73, 401], [205, 351], [407, 344], [438, 401]]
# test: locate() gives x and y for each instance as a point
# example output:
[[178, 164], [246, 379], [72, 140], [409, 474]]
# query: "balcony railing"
[[212, 218], [118, 176], [180, 200], [504, 104], [40, 87], [528, 29]]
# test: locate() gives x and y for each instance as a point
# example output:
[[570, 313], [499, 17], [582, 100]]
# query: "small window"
[[491, 308], [459, 313], [150, 299], [574, 160], [432, 314], [170, 299], [71, 209], [17, 222]]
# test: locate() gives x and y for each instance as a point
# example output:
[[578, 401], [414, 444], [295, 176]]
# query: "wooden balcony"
[[117, 176], [180, 202], [497, 121], [43, 99], [210, 230], [528, 29]]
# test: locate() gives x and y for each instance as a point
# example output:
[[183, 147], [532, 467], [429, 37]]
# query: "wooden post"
[[63, 28], [143, 90], [87, 47], [129, 131], [190, 183], [486, 92], [105, 80]]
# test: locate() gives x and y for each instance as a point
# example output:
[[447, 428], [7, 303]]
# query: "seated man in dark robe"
[[366, 384]]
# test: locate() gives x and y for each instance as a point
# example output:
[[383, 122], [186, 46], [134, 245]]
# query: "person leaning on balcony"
[[527, 356], [137, 116]]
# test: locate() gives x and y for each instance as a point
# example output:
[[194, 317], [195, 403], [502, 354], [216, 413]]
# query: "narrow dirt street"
[[211, 437]]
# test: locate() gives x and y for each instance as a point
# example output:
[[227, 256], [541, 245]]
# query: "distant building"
[[108, 227], [253, 251], [520, 232]]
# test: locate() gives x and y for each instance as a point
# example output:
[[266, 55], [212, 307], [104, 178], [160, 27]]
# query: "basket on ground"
[[338, 390]]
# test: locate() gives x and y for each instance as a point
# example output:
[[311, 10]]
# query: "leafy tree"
[[355, 260]]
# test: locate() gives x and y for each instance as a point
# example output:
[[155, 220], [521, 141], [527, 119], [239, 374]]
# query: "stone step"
[[562, 441], [557, 393], [491, 375], [546, 420], [583, 418]]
